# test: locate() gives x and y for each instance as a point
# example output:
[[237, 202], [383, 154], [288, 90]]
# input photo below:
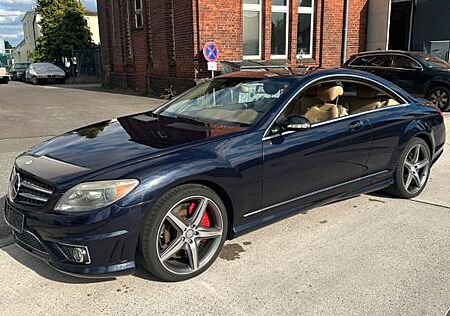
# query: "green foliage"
[[63, 29], [8, 45]]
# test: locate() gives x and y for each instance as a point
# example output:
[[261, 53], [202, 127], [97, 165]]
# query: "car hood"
[[119, 142]]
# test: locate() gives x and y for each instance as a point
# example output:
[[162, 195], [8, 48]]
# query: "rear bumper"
[[110, 236]]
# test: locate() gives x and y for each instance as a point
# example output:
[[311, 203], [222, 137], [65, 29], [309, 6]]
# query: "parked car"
[[4, 77], [229, 156], [17, 71], [38, 73], [419, 73]]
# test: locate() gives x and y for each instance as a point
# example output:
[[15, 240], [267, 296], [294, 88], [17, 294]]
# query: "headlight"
[[92, 195]]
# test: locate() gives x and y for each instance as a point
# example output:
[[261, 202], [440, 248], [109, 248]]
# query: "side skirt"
[[300, 208]]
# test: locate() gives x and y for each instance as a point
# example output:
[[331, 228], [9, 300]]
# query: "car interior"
[[331, 100]]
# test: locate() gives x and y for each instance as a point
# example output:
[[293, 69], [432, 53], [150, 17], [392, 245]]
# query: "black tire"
[[34, 81], [440, 96], [398, 189], [151, 233]]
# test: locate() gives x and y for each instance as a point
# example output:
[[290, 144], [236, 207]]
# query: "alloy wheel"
[[189, 235], [416, 168], [440, 98]]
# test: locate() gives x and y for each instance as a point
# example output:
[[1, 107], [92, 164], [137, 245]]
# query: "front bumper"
[[109, 234]]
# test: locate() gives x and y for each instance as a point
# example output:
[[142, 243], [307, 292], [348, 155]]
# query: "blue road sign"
[[211, 51]]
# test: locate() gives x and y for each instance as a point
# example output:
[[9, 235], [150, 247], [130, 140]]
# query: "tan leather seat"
[[304, 102], [390, 102], [365, 100], [317, 115]]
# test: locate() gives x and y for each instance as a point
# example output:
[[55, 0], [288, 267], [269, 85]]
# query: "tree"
[[8, 45], [63, 29]]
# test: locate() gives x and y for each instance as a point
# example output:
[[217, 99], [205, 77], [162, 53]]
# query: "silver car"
[[38, 73]]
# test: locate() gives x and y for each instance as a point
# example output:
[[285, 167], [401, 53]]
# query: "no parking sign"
[[211, 54], [211, 51]]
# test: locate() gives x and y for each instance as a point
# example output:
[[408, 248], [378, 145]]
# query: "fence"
[[86, 65]]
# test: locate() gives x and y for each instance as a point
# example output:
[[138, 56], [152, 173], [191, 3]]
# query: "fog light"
[[78, 254]]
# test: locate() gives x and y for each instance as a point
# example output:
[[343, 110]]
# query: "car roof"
[[403, 52]]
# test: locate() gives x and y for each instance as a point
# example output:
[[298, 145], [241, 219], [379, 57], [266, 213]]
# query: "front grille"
[[28, 190], [29, 240]]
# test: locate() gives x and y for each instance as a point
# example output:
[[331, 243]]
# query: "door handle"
[[355, 126]]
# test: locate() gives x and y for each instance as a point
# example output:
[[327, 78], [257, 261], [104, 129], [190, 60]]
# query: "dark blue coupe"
[[236, 153]]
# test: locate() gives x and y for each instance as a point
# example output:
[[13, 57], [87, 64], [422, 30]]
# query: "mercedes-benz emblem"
[[15, 186]]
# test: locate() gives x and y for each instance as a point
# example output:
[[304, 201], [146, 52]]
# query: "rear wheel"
[[440, 96], [184, 233], [413, 169]]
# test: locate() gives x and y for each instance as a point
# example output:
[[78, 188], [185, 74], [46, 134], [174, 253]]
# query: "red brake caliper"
[[205, 219]]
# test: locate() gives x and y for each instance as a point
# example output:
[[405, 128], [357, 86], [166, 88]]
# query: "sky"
[[11, 13]]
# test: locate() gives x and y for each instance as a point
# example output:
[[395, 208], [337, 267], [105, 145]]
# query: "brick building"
[[149, 44]]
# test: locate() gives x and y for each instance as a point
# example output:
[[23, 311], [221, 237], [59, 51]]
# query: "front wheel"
[[184, 233], [413, 170], [440, 96]]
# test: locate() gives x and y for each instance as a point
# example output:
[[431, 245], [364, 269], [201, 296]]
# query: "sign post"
[[211, 54]]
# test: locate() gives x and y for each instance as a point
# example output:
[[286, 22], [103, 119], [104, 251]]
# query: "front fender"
[[234, 165]]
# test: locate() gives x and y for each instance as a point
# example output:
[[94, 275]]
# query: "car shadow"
[[44, 270], [24, 258]]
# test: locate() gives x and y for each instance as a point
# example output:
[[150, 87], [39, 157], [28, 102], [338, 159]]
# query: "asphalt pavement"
[[371, 255]]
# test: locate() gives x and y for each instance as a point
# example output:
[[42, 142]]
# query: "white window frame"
[[138, 11], [255, 8], [281, 9], [310, 11]]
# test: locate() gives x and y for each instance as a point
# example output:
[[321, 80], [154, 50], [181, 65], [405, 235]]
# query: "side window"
[[318, 104], [359, 98], [331, 100], [405, 63], [379, 61], [360, 61]]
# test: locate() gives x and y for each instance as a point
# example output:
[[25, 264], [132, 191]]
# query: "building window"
[[280, 30], [252, 29], [138, 14], [305, 28]]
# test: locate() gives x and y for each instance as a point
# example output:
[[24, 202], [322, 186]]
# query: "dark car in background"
[[421, 74], [229, 156], [38, 73], [17, 71]]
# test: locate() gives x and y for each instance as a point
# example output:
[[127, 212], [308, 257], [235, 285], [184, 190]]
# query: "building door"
[[400, 24]]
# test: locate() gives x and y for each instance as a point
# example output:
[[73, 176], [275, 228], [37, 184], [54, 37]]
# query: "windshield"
[[229, 101], [45, 67], [21, 66], [434, 62]]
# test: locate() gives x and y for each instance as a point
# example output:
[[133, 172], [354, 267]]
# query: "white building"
[[32, 31], [2, 46]]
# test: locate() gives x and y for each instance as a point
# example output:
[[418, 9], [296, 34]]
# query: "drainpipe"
[[344, 33], [322, 12]]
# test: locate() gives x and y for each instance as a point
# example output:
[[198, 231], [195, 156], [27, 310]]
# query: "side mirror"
[[292, 122]]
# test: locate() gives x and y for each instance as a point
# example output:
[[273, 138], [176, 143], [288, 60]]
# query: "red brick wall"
[[220, 21], [357, 31], [168, 50]]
